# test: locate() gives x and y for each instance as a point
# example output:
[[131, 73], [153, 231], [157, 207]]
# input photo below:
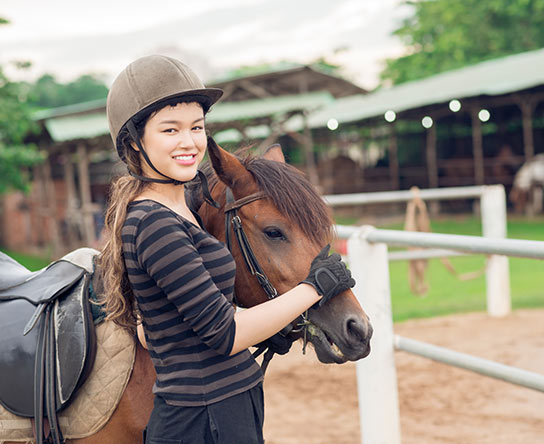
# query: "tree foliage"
[[46, 92], [15, 125], [447, 34]]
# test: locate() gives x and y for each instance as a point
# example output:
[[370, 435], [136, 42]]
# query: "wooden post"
[[51, 199], [393, 160], [85, 195], [477, 147], [527, 108], [308, 147], [72, 215], [432, 169]]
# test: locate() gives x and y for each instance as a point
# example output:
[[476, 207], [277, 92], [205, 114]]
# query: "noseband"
[[253, 266]]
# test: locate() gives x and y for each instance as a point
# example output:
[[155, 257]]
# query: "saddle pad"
[[96, 399]]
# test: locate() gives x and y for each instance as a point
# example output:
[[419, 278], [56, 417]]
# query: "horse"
[[527, 189], [285, 223]]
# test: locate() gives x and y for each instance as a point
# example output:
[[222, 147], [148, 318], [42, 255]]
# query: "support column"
[[432, 169], [393, 160], [477, 147], [72, 216], [309, 151], [527, 108], [85, 195], [51, 199]]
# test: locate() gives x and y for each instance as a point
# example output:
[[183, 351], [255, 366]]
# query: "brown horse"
[[286, 228]]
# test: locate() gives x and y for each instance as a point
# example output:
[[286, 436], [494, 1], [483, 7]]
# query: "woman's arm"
[[264, 320], [328, 277]]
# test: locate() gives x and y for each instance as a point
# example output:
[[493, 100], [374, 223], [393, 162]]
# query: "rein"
[[253, 266]]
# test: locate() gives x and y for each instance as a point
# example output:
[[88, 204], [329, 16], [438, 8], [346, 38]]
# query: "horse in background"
[[527, 192]]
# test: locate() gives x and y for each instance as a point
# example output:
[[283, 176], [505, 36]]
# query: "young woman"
[[160, 262]]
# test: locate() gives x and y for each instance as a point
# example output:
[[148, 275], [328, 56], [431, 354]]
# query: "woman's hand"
[[329, 275]]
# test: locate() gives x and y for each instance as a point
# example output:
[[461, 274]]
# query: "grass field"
[[447, 294]]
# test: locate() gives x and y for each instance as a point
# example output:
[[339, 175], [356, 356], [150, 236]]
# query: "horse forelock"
[[290, 192]]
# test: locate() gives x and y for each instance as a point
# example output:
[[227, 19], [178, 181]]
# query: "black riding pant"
[[235, 420]]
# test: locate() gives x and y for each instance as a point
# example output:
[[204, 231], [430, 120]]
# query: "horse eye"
[[273, 233]]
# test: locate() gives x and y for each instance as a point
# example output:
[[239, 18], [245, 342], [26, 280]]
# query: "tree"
[[447, 34], [15, 124], [46, 92]]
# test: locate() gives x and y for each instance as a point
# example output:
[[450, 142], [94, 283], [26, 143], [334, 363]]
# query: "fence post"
[[493, 208], [376, 374]]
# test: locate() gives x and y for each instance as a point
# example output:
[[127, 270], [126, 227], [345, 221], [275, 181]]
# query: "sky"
[[68, 38]]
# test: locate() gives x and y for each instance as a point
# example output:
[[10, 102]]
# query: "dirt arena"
[[312, 403]]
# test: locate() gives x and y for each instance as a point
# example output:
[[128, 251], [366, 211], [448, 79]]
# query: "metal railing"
[[376, 374], [492, 200]]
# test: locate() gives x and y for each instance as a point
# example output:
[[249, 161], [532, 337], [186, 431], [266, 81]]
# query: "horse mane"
[[287, 187]]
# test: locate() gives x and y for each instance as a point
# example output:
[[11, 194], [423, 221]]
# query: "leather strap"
[[39, 377], [232, 218], [234, 205]]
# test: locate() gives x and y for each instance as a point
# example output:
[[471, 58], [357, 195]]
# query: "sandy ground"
[[312, 403]]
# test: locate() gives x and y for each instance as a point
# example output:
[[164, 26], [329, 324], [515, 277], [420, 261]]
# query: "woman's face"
[[175, 141]]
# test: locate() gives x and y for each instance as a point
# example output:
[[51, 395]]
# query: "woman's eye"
[[169, 130], [198, 128], [274, 234]]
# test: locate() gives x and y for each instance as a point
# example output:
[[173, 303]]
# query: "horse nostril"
[[356, 330]]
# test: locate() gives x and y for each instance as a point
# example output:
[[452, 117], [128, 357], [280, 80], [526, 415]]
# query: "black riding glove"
[[278, 343], [329, 275]]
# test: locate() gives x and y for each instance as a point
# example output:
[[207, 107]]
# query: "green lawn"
[[447, 294], [33, 263]]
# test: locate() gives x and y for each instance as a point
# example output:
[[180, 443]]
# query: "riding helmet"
[[147, 83]]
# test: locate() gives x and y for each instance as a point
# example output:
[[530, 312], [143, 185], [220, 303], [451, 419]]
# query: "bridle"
[[253, 266]]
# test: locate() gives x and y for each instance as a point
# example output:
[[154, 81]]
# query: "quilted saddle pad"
[[96, 399]]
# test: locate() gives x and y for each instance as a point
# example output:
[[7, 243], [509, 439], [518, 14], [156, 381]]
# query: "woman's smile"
[[185, 159]]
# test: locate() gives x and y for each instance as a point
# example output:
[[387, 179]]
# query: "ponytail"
[[118, 299]]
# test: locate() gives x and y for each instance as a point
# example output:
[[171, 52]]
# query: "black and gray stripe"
[[183, 281]]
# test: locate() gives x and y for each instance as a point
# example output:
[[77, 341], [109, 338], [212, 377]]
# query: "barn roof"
[[286, 79], [89, 120], [491, 78]]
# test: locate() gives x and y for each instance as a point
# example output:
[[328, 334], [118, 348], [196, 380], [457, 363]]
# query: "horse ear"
[[227, 167], [274, 152]]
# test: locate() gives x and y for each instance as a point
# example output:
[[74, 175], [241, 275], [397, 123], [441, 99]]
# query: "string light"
[[427, 122], [332, 124], [484, 115], [390, 116], [455, 105]]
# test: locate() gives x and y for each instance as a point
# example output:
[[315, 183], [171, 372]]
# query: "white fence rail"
[[493, 213], [376, 374]]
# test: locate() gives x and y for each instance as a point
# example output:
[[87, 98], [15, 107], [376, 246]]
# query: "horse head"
[[286, 226]]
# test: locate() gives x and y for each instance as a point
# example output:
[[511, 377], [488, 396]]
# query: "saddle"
[[48, 342]]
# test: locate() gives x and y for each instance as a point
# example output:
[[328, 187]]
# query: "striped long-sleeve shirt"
[[183, 282]]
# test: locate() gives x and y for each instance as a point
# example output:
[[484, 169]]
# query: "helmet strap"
[[203, 180]]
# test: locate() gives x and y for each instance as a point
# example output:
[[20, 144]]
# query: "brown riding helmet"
[[147, 82]]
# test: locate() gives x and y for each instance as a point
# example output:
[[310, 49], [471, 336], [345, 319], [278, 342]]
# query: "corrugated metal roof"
[[493, 77], [83, 126], [63, 127], [77, 108], [252, 109]]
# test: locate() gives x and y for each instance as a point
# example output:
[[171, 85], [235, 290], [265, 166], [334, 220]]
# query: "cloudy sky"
[[69, 37]]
